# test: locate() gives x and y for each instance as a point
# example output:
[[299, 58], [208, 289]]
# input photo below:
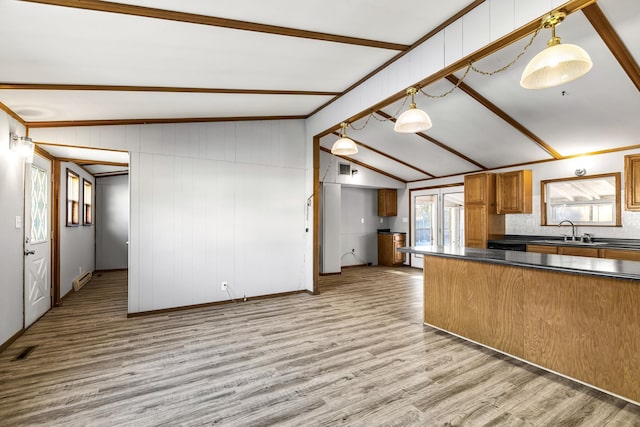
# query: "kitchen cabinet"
[[388, 244], [632, 182], [514, 192], [578, 251], [481, 222], [387, 202], [542, 249], [622, 254]]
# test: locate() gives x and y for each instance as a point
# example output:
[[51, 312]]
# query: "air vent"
[[25, 353], [345, 169]]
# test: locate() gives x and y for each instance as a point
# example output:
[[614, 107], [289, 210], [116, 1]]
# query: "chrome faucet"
[[573, 230]]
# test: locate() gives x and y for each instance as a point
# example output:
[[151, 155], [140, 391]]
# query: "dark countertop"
[[629, 244], [612, 268]]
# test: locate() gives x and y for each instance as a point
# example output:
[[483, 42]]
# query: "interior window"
[[87, 202], [73, 198], [586, 200]]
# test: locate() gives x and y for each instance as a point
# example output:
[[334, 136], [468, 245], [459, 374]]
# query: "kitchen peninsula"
[[576, 316]]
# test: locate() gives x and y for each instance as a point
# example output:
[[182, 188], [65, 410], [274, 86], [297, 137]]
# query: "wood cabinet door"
[[475, 226], [542, 249], [387, 202], [632, 182], [399, 241], [572, 250], [475, 189], [514, 192], [621, 254]]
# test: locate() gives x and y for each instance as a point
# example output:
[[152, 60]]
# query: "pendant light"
[[344, 146], [413, 120], [558, 63]]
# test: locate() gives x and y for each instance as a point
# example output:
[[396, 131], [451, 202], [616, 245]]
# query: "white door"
[[37, 248], [437, 219]]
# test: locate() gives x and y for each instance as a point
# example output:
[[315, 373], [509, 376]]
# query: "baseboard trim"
[[11, 340], [215, 303], [331, 274]]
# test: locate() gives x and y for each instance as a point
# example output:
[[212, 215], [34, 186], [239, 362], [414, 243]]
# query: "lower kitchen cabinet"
[[388, 245]]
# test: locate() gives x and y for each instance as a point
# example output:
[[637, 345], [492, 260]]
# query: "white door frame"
[[416, 259]]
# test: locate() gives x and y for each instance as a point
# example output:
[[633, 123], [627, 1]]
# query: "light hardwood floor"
[[357, 354]]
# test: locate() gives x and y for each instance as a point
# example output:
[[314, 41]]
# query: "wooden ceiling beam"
[[503, 115], [364, 165], [89, 162], [123, 88], [613, 41], [10, 112], [435, 142], [402, 162], [75, 123], [192, 18]]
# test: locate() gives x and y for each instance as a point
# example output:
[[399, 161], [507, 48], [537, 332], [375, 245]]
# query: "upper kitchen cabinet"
[[481, 221], [387, 202], [513, 192], [632, 182]]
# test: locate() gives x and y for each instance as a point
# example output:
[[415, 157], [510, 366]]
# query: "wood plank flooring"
[[357, 355]]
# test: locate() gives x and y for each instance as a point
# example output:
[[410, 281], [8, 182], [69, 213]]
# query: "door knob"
[[29, 252]]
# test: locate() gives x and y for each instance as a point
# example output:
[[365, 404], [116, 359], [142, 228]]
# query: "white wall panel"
[[527, 10], [112, 222], [501, 18], [358, 204], [77, 244], [330, 244], [476, 33], [134, 232], [11, 257], [453, 42], [428, 58]]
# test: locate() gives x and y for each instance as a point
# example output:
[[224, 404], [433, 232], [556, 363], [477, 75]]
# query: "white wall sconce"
[[23, 146]]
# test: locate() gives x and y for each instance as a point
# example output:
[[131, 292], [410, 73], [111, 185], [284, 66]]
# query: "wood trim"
[[55, 262], [169, 89], [87, 162], [456, 184], [503, 115], [527, 29], [42, 152], [76, 123], [11, 340], [424, 38], [364, 165], [436, 142], [10, 112], [613, 41], [402, 162], [107, 174], [78, 146], [192, 18], [316, 200], [213, 304]]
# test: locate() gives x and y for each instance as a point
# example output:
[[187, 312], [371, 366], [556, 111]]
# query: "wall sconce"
[[22, 146], [354, 172]]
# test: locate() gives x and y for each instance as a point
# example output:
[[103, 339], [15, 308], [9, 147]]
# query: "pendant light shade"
[[413, 120], [344, 146], [558, 63]]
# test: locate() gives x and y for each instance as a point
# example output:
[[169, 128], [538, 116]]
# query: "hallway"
[[357, 354]]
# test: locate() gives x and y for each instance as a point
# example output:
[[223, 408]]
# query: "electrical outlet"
[[223, 287]]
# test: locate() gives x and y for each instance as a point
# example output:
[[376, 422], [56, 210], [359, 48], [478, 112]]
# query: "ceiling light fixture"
[[345, 145], [413, 120], [558, 63], [23, 146]]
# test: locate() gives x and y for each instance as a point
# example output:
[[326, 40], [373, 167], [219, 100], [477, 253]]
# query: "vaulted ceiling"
[[89, 62]]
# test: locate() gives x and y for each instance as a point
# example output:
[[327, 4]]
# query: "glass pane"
[[453, 219], [425, 218], [39, 209], [584, 201]]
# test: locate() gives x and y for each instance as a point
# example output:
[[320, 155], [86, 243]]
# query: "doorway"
[[437, 219]]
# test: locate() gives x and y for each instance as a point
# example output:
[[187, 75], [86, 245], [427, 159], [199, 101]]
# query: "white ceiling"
[[54, 45]]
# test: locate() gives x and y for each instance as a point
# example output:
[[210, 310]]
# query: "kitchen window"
[[587, 200]]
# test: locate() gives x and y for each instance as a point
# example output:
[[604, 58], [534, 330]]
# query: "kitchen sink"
[[569, 243]]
